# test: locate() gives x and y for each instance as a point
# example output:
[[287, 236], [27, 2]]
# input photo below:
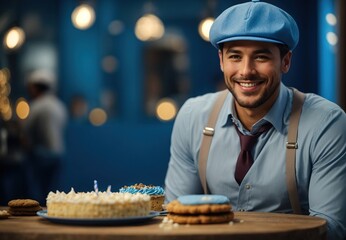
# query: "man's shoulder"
[[207, 100], [318, 111], [315, 103], [197, 109]]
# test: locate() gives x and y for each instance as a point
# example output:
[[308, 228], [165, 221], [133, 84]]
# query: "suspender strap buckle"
[[208, 131], [291, 145]]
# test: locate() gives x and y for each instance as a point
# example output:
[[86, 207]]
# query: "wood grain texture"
[[246, 225]]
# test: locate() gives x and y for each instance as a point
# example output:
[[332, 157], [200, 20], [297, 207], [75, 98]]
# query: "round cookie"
[[201, 219], [176, 207], [200, 209], [200, 204], [23, 207], [18, 203]]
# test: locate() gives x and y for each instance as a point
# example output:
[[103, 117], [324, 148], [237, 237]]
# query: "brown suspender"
[[208, 133], [291, 145]]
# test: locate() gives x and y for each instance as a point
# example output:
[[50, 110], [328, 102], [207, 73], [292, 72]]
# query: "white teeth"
[[247, 84]]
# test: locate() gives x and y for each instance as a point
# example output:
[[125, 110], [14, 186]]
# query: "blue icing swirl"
[[203, 199], [150, 190]]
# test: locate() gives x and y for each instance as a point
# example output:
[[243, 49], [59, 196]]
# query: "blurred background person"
[[44, 130]]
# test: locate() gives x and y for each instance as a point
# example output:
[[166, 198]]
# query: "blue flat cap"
[[257, 21]]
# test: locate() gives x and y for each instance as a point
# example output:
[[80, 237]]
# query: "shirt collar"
[[275, 116]]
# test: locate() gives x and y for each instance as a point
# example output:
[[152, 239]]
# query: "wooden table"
[[247, 225]]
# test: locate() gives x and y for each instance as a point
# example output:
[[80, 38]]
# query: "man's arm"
[[327, 190], [182, 175]]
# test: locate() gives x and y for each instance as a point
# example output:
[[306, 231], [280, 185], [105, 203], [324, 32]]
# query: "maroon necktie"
[[245, 159]]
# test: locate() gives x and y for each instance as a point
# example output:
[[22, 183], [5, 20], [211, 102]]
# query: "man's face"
[[252, 72]]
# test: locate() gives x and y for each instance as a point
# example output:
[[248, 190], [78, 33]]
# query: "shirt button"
[[247, 186]]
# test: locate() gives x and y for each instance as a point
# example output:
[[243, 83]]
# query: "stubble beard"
[[261, 99]]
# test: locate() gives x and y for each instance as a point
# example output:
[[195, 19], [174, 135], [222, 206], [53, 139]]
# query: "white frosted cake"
[[97, 205]]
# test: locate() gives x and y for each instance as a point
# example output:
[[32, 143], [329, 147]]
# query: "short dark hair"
[[283, 48]]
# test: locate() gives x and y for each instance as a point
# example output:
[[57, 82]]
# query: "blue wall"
[[115, 154]]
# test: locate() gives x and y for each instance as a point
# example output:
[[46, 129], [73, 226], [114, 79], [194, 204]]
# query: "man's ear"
[[221, 60], [286, 62]]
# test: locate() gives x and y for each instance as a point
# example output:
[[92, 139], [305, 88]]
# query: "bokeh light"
[[116, 27], [83, 16], [149, 28], [97, 117], [5, 89], [14, 38], [109, 64], [331, 19], [204, 28], [166, 109], [22, 108], [332, 38]]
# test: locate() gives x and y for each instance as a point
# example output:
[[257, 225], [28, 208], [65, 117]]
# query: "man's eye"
[[262, 57], [234, 57]]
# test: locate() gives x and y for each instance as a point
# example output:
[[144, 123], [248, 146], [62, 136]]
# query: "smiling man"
[[255, 41]]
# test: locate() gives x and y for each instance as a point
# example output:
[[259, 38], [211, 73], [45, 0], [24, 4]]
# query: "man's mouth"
[[247, 85]]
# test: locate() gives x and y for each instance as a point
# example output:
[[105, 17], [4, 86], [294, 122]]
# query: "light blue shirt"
[[320, 158]]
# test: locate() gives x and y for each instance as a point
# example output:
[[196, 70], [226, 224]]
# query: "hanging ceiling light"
[[14, 38], [83, 16]]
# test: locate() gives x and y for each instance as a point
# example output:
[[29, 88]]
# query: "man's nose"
[[247, 68]]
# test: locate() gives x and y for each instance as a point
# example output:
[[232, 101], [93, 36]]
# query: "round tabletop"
[[246, 225]]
